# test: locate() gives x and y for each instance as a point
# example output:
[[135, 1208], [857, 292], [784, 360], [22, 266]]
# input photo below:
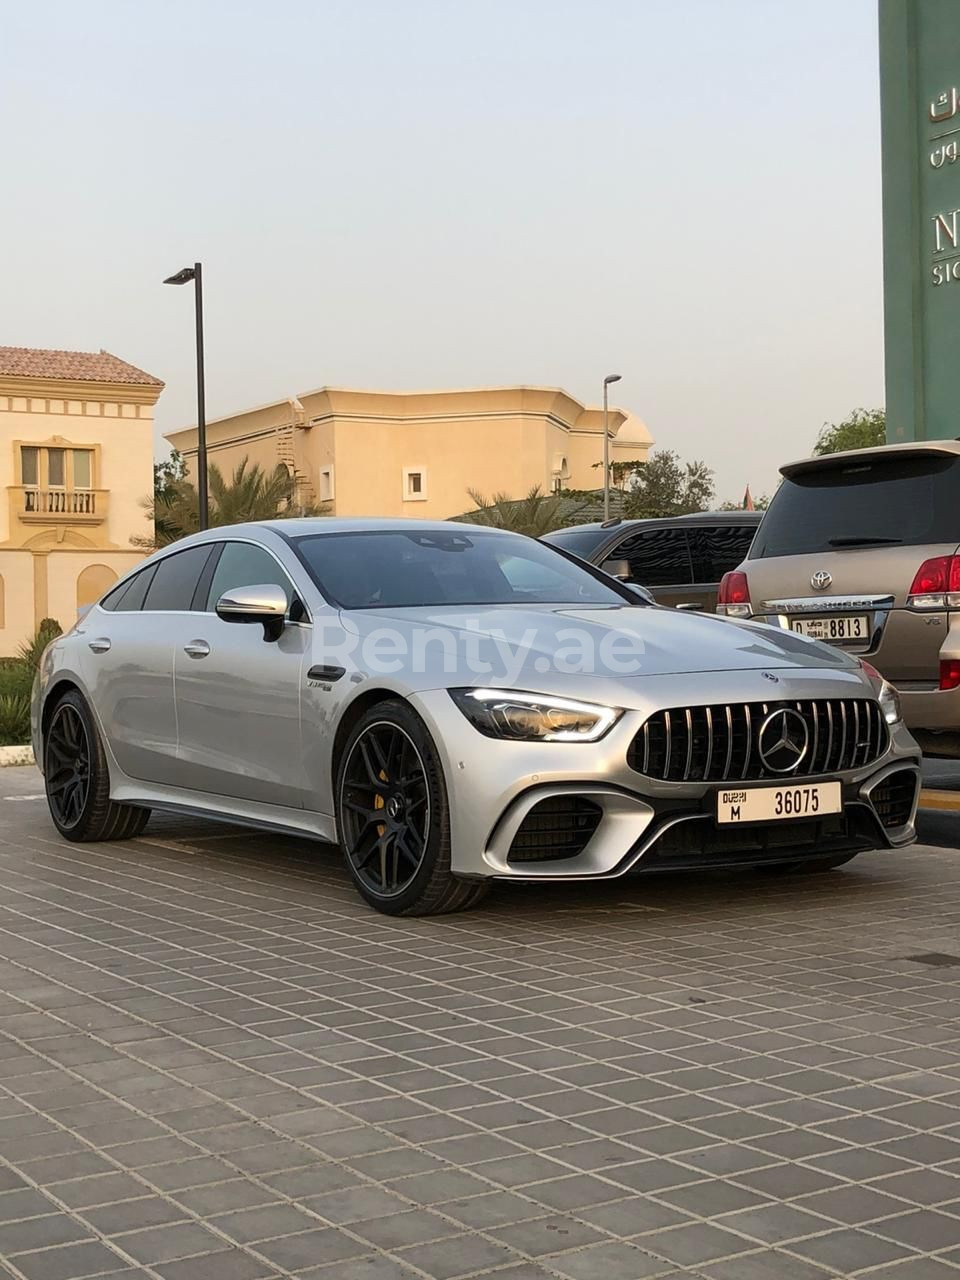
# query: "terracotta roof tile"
[[71, 366]]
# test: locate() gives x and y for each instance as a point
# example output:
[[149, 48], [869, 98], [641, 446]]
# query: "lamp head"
[[612, 377], [181, 277]]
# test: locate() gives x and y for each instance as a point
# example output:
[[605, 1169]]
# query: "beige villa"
[[76, 461], [417, 453]]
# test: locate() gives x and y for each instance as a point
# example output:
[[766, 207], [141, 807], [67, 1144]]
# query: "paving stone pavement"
[[217, 1064]]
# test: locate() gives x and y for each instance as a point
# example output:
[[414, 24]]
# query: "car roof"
[[695, 517], [912, 448], [301, 527]]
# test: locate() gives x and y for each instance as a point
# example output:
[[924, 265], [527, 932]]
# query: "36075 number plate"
[[776, 804]]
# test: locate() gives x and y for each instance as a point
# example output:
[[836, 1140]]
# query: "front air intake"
[[557, 827]]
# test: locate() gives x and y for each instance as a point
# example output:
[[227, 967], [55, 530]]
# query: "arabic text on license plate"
[[831, 629], [773, 804]]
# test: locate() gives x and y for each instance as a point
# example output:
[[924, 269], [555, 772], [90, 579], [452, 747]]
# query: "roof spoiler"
[[914, 449]]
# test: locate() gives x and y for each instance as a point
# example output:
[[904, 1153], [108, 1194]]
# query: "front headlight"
[[887, 695], [534, 717]]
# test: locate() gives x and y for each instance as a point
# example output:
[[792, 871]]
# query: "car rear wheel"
[[77, 779], [393, 817]]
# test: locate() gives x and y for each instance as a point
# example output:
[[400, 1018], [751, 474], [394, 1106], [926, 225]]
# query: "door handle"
[[689, 605], [100, 645], [197, 649]]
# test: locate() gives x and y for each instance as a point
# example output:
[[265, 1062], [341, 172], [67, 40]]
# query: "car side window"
[[175, 580], [243, 564], [657, 557], [129, 596], [718, 549]]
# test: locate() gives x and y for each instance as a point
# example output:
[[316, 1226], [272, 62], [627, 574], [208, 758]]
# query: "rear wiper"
[[863, 542]]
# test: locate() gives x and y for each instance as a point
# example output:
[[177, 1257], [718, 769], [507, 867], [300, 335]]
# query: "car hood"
[[519, 642]]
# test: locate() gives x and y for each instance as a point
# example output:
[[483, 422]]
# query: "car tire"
[[389, 767], [77, 778], [811, 866]]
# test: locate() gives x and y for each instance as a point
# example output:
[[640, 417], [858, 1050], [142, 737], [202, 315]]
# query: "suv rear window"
[[884, 501]]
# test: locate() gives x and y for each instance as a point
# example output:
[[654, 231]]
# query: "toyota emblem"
[[821, 580], [783, 740]]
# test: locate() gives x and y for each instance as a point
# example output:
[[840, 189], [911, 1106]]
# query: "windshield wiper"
[[863, 542]]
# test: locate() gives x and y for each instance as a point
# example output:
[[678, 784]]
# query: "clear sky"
[[434, 193]]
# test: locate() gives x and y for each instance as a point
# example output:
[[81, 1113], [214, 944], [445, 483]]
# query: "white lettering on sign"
[[946, 272], [945, 231]]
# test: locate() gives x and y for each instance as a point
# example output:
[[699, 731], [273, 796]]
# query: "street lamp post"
[[611, 377], [195, 273]]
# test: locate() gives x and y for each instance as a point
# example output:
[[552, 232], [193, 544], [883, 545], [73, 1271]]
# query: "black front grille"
[[893, 797], [558, 827], [721, 743]]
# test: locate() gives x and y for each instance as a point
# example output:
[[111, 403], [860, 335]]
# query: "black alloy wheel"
[[393, 816], [68, 766], [77, 777], [385, 809]]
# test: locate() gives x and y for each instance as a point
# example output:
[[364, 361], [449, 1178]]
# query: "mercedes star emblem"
[[821, 580], [783, 740]]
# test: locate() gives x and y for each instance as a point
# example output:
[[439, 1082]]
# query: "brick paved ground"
[[215, 1064]]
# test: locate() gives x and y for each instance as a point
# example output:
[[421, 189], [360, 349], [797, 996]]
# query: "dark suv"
[[680, 560]]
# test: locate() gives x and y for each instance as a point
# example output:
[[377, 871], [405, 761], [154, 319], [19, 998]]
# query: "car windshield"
[[908, 500], [416, 568]]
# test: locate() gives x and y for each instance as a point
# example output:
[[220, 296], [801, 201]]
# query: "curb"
[[945, 801], [16, 755]]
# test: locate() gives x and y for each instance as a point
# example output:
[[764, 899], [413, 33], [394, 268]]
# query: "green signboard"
[[920, 111]]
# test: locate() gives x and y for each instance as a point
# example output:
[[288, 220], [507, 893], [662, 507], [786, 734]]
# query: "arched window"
[[92, 583]]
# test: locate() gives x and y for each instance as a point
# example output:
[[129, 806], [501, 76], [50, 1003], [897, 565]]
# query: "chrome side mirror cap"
[[266, 604]]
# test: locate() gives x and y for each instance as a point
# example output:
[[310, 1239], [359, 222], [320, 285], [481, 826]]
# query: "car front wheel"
[[77, 780], [393, 817]]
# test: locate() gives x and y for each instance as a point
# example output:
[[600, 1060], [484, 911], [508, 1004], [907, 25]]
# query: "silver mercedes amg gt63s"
[[455, 705]]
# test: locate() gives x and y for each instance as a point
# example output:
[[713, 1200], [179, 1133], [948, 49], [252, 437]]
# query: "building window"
[[326, 487], [30, 465], [57, 479], [414, 484]]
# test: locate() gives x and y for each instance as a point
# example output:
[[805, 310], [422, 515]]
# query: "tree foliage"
[[622, 472], [863, 429], [250, 494], [16, 681], [667, 486], [536, 514]]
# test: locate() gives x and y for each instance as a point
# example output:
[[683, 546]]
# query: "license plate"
[[773, 804], [833, 629]]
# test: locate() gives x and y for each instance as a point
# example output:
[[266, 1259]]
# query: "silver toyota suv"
[[862, 550]]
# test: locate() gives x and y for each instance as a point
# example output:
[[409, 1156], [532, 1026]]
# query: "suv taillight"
[[936, 584], [949, 673], [733, 597]]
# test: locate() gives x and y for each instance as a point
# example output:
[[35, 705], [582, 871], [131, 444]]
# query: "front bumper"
[[495, 788]]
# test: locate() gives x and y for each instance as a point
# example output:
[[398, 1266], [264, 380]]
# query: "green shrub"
[[16, 682], [14, 719]]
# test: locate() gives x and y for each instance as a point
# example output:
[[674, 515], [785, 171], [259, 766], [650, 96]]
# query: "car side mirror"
[[617, 569], [266, 604], [647, 597]]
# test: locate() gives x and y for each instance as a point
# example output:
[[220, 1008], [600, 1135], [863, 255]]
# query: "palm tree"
[[536, 514], [251, 494]]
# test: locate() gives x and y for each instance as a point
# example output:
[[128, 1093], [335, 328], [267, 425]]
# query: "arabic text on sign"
[[945, 106], [948, 153]]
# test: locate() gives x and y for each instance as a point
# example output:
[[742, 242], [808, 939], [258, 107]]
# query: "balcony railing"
[[59, 506]]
